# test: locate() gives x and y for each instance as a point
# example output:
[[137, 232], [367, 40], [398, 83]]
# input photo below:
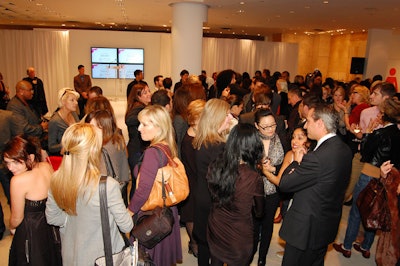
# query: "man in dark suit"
[[38, 101], [138, 79], [28, 121], [318, 180]]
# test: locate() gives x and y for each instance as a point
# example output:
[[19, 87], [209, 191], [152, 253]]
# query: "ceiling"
[[234, 18]]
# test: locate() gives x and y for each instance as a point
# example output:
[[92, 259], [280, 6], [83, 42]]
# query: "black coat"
[[319, 184]]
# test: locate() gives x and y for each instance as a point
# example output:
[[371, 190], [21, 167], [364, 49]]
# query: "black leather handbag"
[[153, 226]]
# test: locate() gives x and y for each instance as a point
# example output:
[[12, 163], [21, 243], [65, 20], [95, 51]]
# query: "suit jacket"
[[38, 101], [319, 183], [9, 128], [26, 118], [82, 85]]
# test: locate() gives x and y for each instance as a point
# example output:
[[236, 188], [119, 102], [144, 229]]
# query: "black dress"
[[35, 242], [187, 154], [202, 198]]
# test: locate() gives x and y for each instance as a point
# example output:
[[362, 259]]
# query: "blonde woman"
[[208, 143], [73, 202], [156, 127], [64, 117]]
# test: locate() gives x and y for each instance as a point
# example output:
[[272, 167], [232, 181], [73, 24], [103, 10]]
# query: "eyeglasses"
[[28, 89], [271, 127]]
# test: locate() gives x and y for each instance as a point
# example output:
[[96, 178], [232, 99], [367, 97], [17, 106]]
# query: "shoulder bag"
[[373, 206], [129, 255], [175, 180], [153, 226]]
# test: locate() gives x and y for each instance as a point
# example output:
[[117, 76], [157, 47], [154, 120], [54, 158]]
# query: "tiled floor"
[[332, 258]]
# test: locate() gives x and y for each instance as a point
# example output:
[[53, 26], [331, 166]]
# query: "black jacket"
[[382, 145]]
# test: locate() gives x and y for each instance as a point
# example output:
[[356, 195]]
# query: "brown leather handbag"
[[373, 206], [175, 182]]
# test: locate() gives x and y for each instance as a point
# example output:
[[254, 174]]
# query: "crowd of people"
[[250, 147]]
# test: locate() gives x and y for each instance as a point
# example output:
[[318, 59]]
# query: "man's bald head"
[[23, 85]]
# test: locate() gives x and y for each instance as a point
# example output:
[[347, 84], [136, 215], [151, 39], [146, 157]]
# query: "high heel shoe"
[[278, 219], [192, 249]]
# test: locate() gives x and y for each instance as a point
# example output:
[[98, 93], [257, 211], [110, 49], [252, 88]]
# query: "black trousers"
[[296, 257], [264, 227]]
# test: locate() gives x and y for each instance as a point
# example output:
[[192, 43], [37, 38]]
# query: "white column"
[[187, 36], [377, 53]]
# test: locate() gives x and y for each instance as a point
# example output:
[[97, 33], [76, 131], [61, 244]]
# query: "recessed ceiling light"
[[326, 2], [39, 4], [291, 12], [242, 3], [307, 7]]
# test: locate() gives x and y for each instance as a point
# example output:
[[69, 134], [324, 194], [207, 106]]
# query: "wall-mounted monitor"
[[126, 70], [104, 55], [130, 56], [112, 63], [104, 71]]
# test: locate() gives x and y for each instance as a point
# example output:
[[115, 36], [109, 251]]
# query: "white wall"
[[82, 40]]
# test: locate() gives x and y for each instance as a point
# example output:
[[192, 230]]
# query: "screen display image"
[[126, 71], [104, 71], [104, 55], [130, 56]]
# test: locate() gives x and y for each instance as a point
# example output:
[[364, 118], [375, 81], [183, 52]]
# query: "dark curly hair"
[[243, 145]]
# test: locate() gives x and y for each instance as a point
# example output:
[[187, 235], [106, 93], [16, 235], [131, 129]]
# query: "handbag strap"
[[164, 194], [169, 158], [105, 224], [109, 165]]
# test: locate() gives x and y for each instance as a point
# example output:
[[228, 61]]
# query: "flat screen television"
[[113, 62], [126, 71], [130, 56], [104, 55], [104, 71]]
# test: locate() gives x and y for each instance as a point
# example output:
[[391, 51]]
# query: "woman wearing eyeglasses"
[[62, 118], [265, 123]]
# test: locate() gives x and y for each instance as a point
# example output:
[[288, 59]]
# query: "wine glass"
[[357, 129]]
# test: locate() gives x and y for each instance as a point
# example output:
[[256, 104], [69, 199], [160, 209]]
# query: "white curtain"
[[248, 55], [46, 51], [239, 55]]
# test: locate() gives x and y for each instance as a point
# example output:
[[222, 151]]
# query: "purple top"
[[148, 171]]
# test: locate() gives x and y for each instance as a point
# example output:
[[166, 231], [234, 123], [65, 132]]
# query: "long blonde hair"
[[79, 167], [211, 119], [160, 117]]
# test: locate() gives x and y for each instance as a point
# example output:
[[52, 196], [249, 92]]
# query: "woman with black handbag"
[[156, 127]]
